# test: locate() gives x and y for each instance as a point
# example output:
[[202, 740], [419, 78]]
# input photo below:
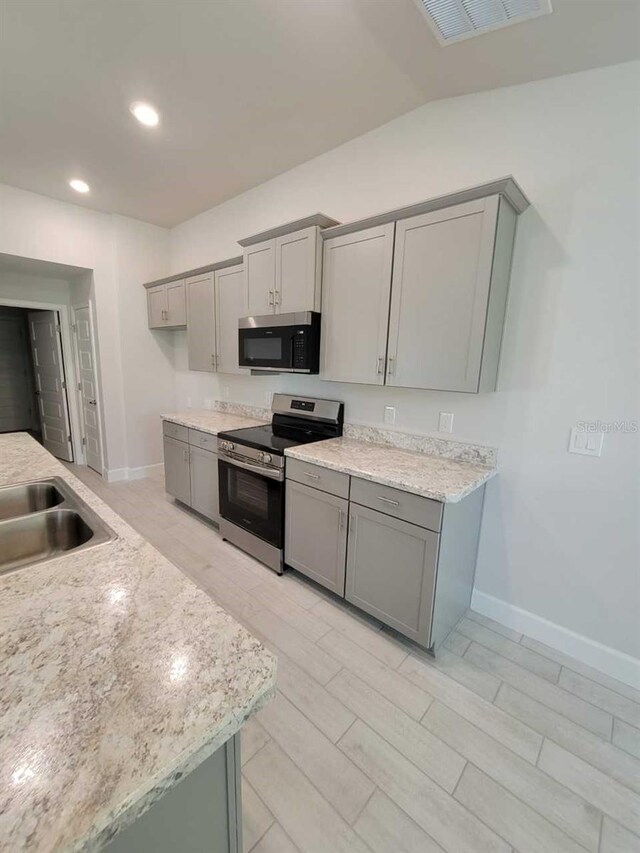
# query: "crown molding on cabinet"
[[319, 219], [219, 265], [506, 187]]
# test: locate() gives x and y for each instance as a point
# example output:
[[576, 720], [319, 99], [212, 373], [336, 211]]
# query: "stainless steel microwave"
[[284, 343]]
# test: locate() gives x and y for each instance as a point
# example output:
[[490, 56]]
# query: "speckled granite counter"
[[117, 676], [441, 479], [211, 421]]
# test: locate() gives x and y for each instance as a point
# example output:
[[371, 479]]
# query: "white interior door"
[[88, 389], [16, 393], [51, 389]]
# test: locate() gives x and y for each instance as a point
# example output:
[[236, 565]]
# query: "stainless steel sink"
[[28, 497], [45, 519]]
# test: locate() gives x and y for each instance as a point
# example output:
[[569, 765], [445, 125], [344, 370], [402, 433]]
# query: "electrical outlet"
[[225, 392], [268, 398], [208, 403], [586, 443], [389, 414], [189, 402], [445, 422]]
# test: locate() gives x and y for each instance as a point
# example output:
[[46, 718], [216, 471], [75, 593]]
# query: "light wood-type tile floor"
[[370, 746]]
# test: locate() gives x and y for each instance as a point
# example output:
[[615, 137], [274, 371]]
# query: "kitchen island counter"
[[118, 677]]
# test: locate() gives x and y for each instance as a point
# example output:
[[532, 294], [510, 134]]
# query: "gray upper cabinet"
[[298, 271], [229, 285], [316, 535], [166, 305], [260, 281], [283, 274], [356, 289], [391, 567], [204, 482], [176, 469], [441, 298], [201, 323]]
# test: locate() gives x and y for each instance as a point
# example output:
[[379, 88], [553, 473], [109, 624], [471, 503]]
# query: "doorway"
[[34, 396], [88, 386]]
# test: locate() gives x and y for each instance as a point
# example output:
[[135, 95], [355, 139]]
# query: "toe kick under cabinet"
[[191, 468], [407, 560]]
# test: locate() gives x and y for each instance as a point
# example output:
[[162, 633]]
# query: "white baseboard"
[[155, 470], [115, 475], [608, 660]]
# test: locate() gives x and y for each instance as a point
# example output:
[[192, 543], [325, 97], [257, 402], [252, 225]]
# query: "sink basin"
[[28, 497], [45, 519]]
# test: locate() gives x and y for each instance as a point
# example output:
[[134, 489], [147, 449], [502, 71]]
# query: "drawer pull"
[[312, 476], [387, 500]]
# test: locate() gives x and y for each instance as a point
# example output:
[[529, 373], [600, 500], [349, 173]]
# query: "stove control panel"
[[227, 445]]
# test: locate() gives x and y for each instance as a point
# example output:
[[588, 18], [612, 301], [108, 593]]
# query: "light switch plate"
[[445, 422], [586, 443], [389, 414], [208, 403], [225, 392], [189, 402]]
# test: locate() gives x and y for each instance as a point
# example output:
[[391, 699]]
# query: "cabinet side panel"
[[193, 816], [456, 564], [500, 275]]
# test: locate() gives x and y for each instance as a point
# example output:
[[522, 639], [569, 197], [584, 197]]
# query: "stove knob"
[[227, 445], [266, 458]]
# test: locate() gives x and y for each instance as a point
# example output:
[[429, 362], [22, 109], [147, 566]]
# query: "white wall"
[[560, 535], [34, 288], [121, 253]]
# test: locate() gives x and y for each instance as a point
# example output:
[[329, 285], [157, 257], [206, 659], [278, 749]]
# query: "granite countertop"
[[446, 480], [117, 676], [208, 420]]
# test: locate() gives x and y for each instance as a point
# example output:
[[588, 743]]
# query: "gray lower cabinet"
[[204, 482], [191, 468], [391, 569], [316, 535], [176, 469], [203, 812]]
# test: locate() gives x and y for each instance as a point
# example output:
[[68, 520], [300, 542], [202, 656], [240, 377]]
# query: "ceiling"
[[246, 88]]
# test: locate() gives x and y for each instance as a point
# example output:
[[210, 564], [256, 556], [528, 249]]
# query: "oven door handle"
[[269, 473]]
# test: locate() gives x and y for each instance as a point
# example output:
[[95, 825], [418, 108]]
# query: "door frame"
[[94, 354], [69, 357]]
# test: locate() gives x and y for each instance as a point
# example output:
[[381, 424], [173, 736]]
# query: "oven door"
[[252, 501], [266, 348]]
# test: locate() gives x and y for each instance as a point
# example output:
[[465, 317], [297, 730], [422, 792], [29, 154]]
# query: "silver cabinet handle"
[[391, 366], [387, 500], [185, 455], [312, 476], [380, 365], [276, 297], [271, 298], [213, 360], [343, 518]]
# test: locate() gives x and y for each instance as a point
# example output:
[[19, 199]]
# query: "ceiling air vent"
[[455, 20]]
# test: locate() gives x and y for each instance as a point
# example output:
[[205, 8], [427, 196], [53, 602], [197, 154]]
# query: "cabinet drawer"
[[175, 431], [203, 439], [333, 482], [399, 504]]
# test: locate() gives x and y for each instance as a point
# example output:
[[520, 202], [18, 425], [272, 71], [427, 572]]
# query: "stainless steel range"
[[251, 472]]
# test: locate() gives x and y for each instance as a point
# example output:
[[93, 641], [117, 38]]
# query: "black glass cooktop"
[[275, 439]]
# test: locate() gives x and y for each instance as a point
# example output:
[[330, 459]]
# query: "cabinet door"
[[441, 277], [356, 284], [204, 482], [201, 323], [260, 270], [229, 308], [176, 304], [298, 270], [391, 567], [176, 469], [157, 306], [316, 535]]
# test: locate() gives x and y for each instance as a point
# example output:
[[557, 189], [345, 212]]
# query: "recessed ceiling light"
[[455, 20], [145, 113], [79, 186]]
